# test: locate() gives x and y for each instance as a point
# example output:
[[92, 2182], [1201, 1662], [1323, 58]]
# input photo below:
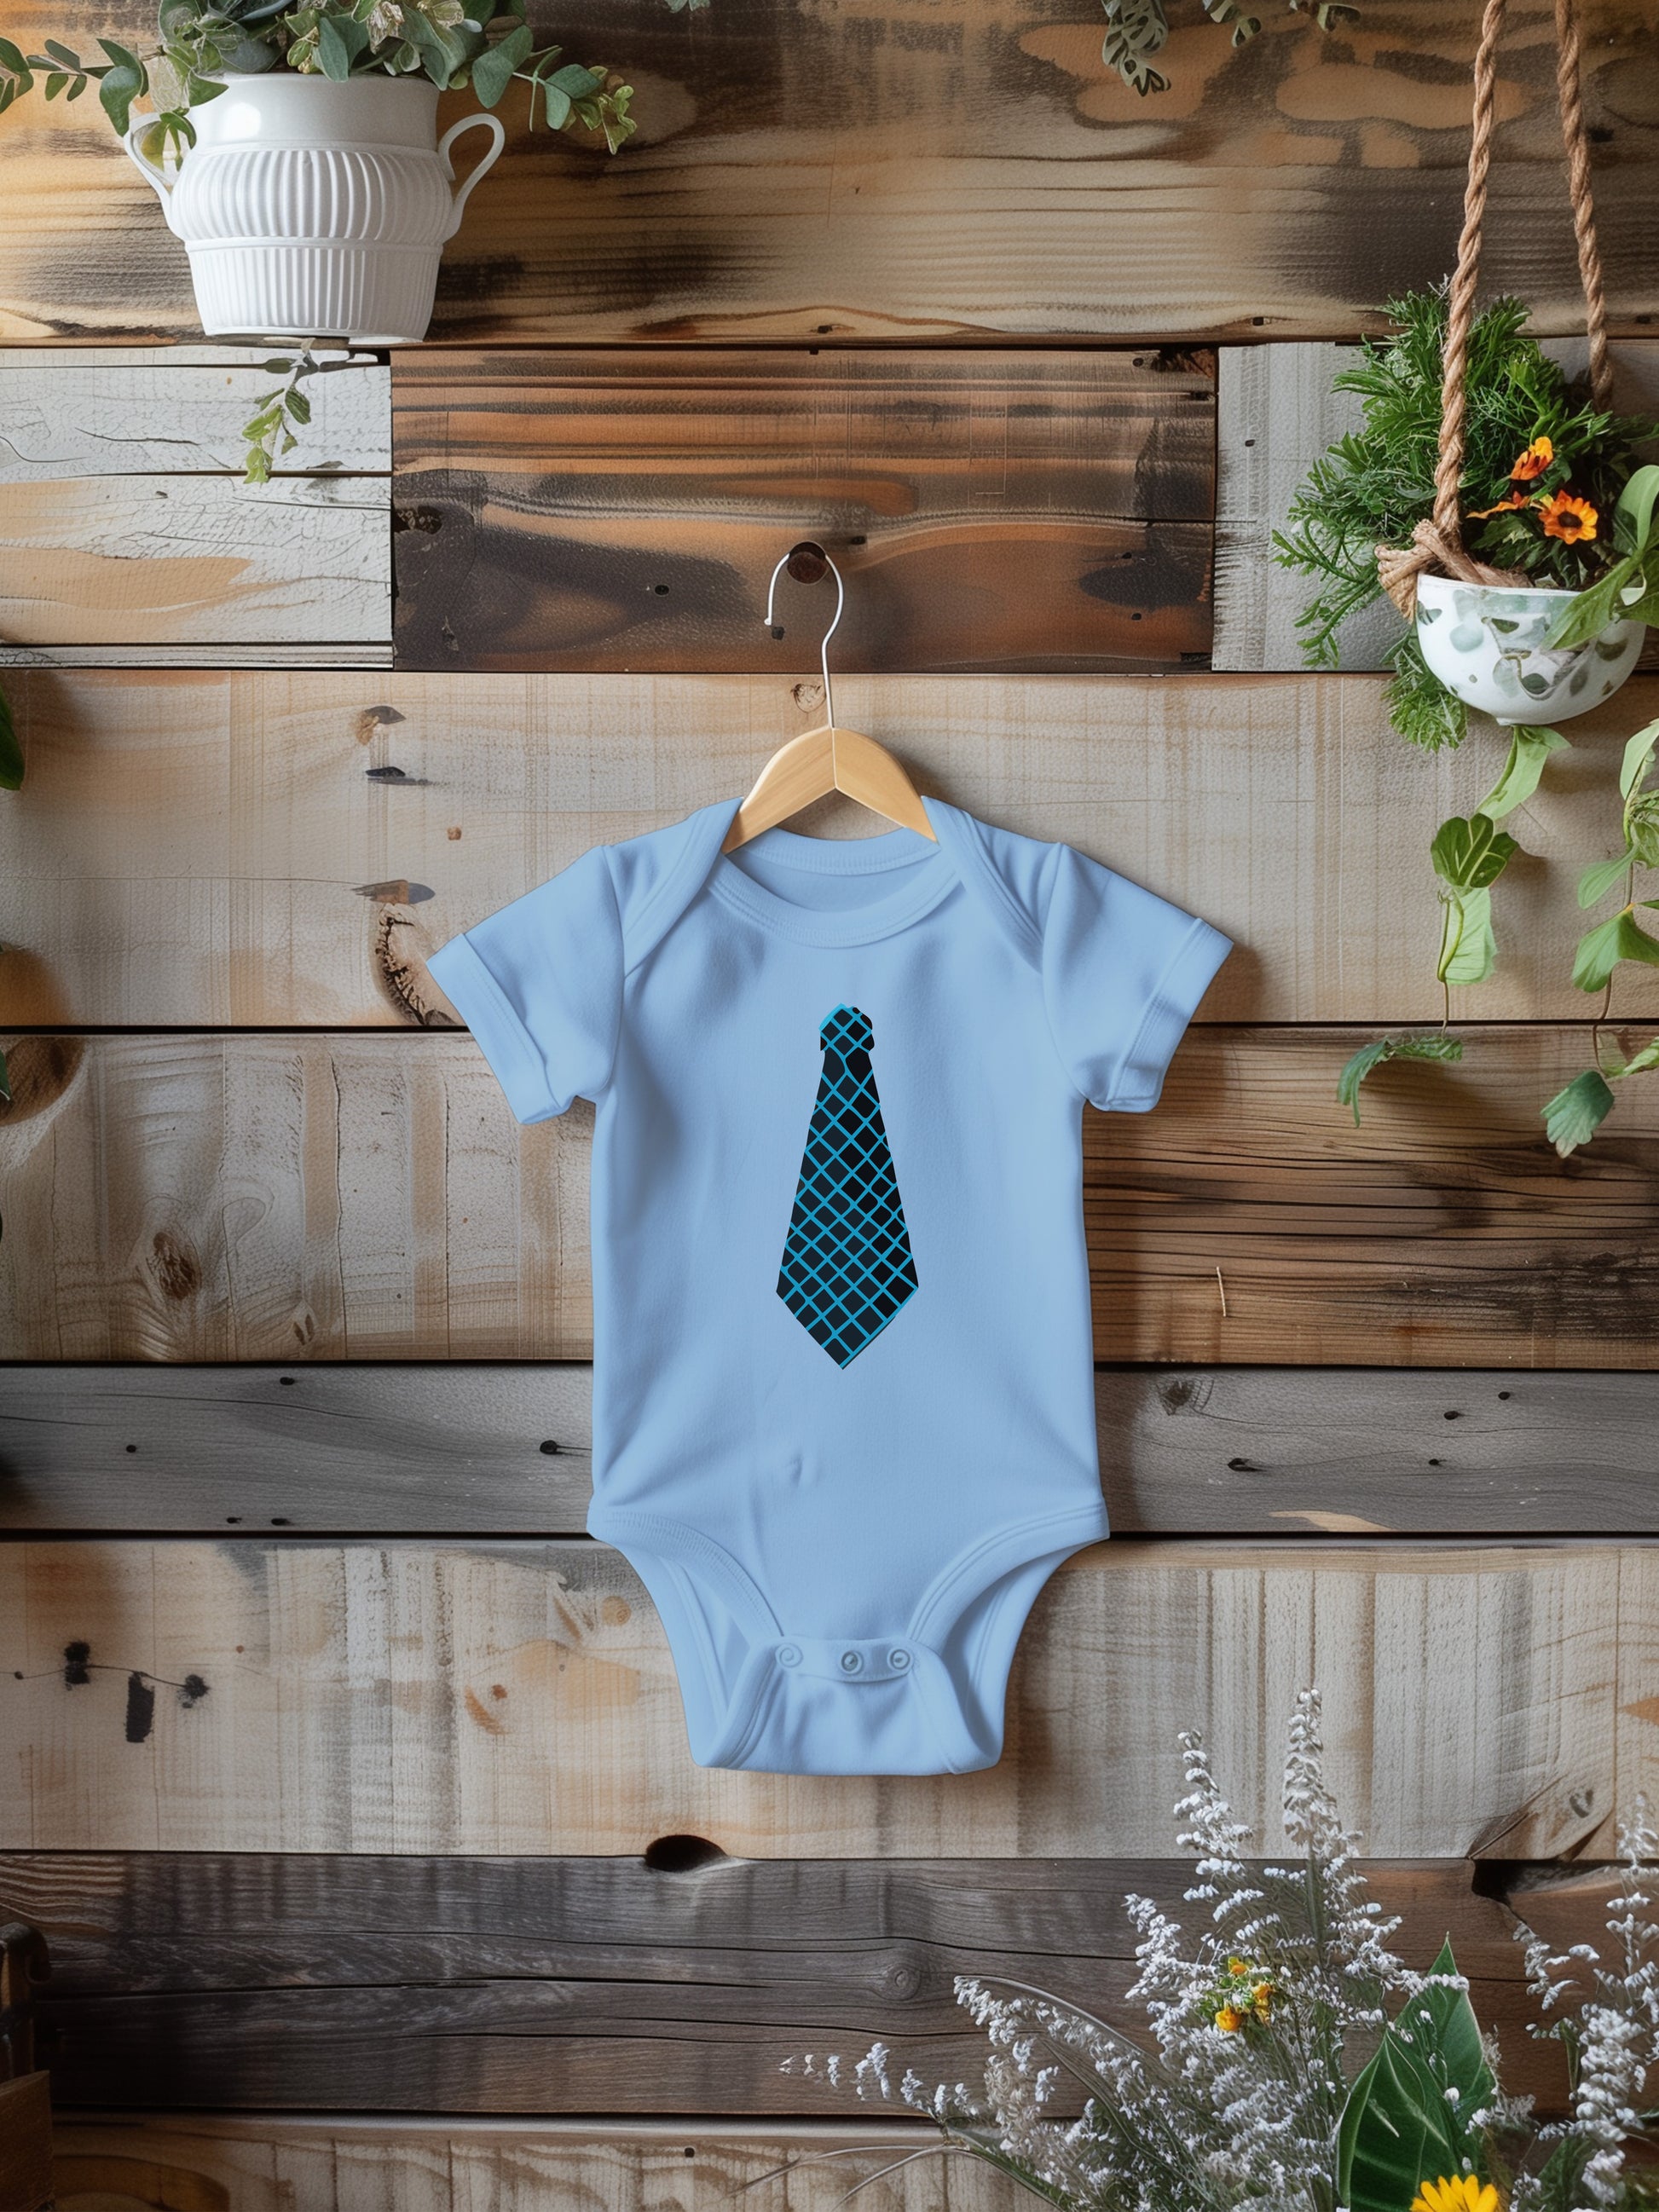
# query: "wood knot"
[[174, 1264], [40, 1070]]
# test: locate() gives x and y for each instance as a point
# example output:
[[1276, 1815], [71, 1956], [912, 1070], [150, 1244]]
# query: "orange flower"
[[1516, 499], [1569, 518], [1534, 462], [1229, 2019]]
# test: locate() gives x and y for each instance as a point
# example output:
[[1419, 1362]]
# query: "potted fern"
[[294, 147]]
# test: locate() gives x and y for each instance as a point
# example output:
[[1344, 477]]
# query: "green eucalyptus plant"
[[1137, 29], [484, 45]]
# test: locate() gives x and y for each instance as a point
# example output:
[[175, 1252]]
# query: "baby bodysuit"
[[843, 1392]]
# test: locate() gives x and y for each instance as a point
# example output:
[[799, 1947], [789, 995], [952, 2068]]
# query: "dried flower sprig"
[[1239, 2097]]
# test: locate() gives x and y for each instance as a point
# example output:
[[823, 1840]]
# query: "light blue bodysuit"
[[844, 1413]]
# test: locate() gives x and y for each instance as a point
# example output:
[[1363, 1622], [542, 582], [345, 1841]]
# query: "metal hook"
[[807, 562]]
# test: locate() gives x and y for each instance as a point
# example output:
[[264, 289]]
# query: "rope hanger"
[[1437, 544]]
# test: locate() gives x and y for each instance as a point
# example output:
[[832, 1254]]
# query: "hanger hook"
[[814, 554]]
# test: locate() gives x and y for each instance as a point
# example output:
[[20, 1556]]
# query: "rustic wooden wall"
[[344, 1774]]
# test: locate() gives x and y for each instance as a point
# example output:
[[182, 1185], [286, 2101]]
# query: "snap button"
[[899, 1657], [852, 1662], [789, 1655]]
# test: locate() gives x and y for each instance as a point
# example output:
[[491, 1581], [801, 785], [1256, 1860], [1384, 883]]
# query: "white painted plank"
[[149, 410], [143, 561]]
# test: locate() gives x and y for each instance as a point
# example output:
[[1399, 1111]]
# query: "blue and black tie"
[[847, 1266]]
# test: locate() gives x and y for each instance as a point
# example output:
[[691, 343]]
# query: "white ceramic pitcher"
[[312, 208]]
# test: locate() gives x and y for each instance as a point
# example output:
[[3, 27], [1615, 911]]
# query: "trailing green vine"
[[1137, 29]]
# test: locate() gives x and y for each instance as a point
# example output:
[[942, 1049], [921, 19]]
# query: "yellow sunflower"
[[1463, 2192]]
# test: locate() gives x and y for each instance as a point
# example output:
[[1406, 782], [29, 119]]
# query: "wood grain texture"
[[260, 2163], [591, 511], [455, 1448], [1276, 415], [517, 1697], [551, 1985], [313, 1196], [199, 848], [954, 170], [126, 561], [66, 413]]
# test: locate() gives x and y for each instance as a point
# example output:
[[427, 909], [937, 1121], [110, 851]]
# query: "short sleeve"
[[1123, 971], [539, 985]]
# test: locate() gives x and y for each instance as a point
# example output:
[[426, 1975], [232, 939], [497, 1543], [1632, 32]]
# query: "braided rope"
[[1569, 84], [1438, 543]]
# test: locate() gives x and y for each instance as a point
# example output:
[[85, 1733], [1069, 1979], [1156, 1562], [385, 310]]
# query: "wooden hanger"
[[828, 758]]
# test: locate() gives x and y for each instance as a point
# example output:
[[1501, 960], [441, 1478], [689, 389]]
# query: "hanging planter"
[[1490, 645], [308, 207], [1498, 638]]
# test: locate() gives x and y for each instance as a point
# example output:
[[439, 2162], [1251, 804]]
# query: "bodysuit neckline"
[[931, 872]]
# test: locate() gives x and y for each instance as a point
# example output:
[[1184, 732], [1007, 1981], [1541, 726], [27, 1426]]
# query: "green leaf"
[[440, 57], [1573, 1115], [340, 39], [1634, 514], [1595, 883], [12, 59], [1437, 1046], [1640, 1063], [119, 88], [298, 406], [11, 752], [1638, 759], [1602, 949], [1399, 2129], [1469, 943], [493, 70], [1469, 854], [1528, 750], [61, 53]]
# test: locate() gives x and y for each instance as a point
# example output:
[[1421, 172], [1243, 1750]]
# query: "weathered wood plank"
[[193, 848], [127, 561], [546, 1985], [955, 170], [1276, 414], [166, 411], [260, 2163], [310, 1196], [518, 1696], [588, 511], [271, 653], [453, 1449]]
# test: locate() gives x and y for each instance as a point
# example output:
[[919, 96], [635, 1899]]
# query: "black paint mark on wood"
[[140, 1709], [191, 1691], [76, 1673]]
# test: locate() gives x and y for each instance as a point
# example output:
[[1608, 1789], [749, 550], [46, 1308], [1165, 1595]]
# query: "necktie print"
[[847, 1266]]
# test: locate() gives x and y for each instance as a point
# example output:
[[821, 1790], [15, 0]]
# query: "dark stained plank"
[[455, 1448], [369, 1196], [966, 170], [25, 2176], [596, 512], [512, 1984]]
